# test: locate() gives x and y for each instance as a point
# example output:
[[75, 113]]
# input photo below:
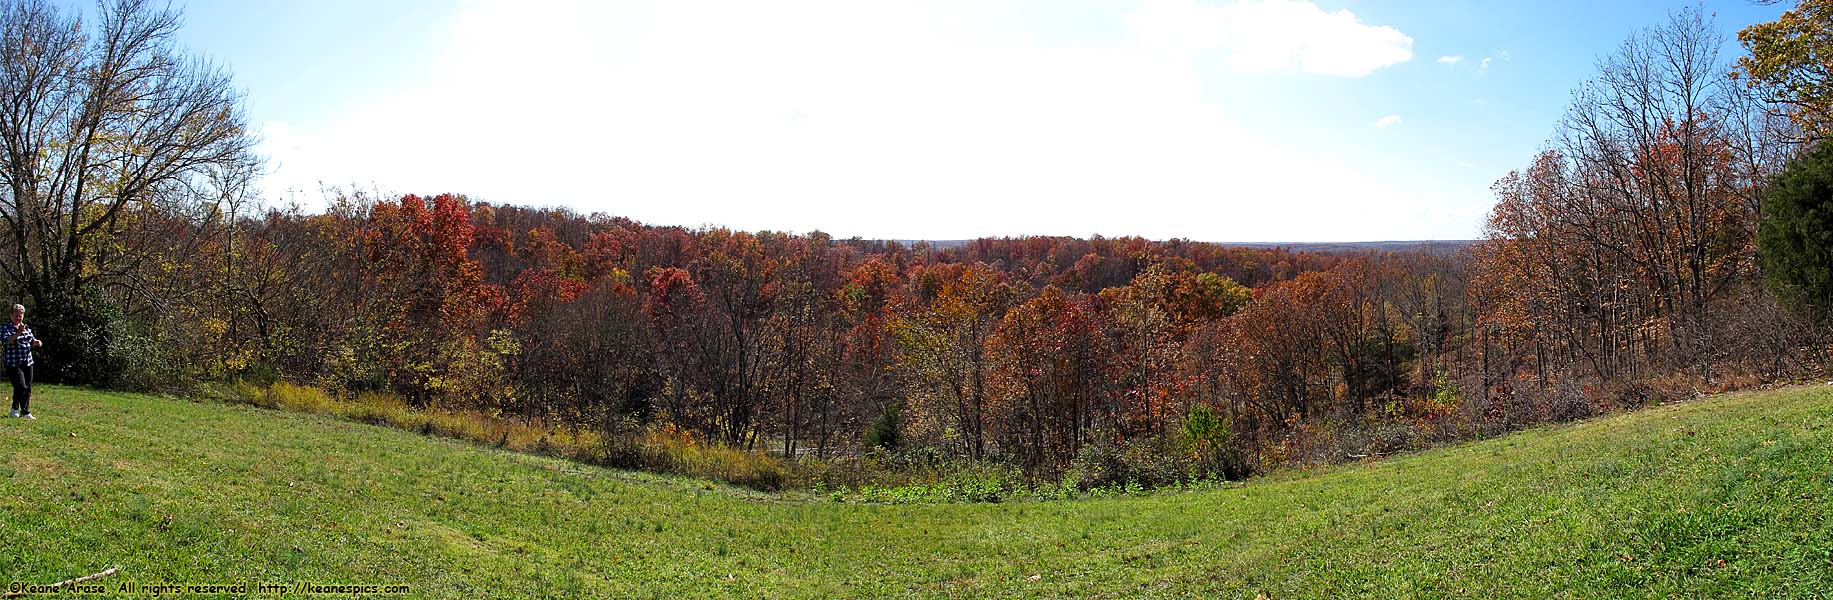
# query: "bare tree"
[[101, 124], [1636, 229]]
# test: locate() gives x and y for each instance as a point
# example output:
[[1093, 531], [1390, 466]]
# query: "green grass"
[[1724, 497]]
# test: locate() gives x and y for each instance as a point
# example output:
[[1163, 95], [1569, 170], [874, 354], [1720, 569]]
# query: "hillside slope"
[[1720, 497]]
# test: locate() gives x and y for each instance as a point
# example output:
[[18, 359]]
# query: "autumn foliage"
[[1619, 267]]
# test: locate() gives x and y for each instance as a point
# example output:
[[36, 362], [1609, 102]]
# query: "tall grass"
[[668, 449], [662, 448]]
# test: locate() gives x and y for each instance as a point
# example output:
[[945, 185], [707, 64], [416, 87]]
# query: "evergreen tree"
[[1796, 233]]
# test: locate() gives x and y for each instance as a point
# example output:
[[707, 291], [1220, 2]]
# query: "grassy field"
[[1722, 497]]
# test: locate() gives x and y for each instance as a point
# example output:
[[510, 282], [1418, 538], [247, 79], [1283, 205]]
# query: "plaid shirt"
[[20, 351]]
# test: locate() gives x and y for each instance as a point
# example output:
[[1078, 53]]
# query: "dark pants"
[[21, 376]]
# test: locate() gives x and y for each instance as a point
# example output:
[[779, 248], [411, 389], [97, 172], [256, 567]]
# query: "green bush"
[[885, 431], [1209, 442], [90, 340]]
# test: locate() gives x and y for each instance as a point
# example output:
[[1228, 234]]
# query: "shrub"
[[1144, 462], [885, 431], [259, 374], [1386, 437], [1444, 400], [1569, 401], [1209, 442]]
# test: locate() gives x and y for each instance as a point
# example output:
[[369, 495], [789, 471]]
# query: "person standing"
[[17, 350]]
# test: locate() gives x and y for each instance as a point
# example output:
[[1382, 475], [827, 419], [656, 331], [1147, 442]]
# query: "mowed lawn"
[[1723, 497]]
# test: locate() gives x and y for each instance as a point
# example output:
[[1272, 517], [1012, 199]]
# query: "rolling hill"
[[1725, 496]]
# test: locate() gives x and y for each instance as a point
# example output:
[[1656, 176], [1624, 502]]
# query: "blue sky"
[[1220, 120]]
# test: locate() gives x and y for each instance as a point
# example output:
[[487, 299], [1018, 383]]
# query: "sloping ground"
[[1727, 496]]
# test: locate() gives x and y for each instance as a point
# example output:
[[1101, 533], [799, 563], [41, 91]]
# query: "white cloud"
[[1387, 121], [1450, 60], [902, 123], [1272, 35], [1502, 55]]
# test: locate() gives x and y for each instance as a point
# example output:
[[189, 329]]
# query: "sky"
[[1211, 120]]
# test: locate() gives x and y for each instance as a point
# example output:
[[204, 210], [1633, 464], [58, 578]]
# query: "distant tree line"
[[1026, 350]]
